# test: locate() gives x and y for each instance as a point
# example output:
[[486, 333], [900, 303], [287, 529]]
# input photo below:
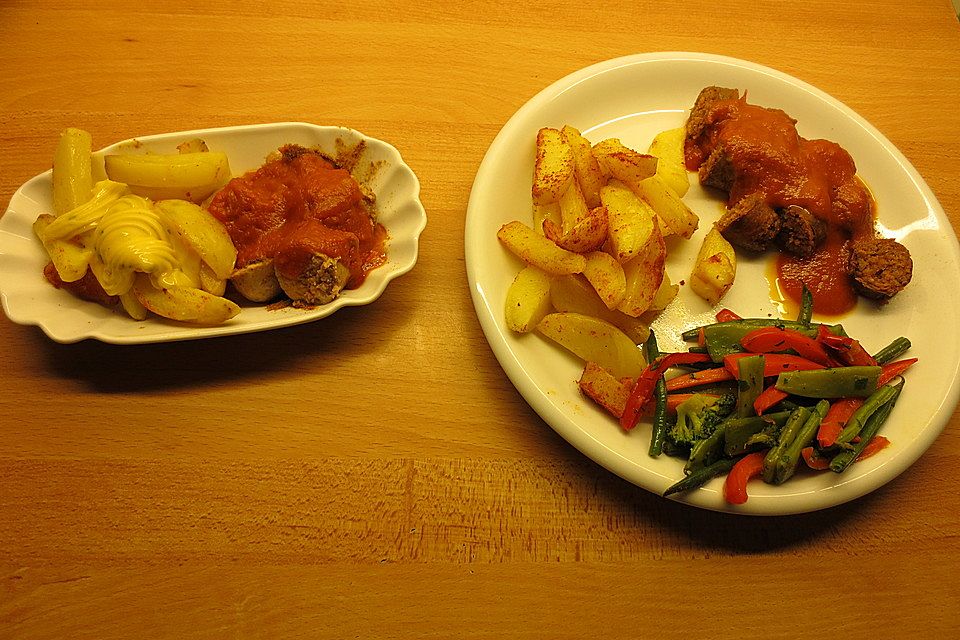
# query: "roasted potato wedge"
[[630, 221], [607, 390], [573, 208], [528, 300], [586, 235], [586, 168], [675, 214], [668, 147], [182, 176], [575, 294], [183, 303], [545, 212], [594, 340], [539, 251], [607, 277], [623, 163], [201, 232], [715, 268], [72, 170], [553, 167], [644, 275], [70, 258]]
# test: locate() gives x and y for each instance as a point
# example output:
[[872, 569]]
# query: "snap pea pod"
[[892, 351], [786, 463], [660, 424], [806, 307], [750, 384], [859, 418], [707, 451], [835, 382], [738, 431], [702, 476], [843, 459], [790, 430]]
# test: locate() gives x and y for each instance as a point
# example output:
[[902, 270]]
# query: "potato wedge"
[[587, 235], [586, 168], [553, 168], [201, 232], [181, 170], [668, 147], [665, 294], [630, 221], [594, 340], [72, 170], [538, 250], [70, 258], [644, 275], [210, 282], [715, 268], [575, 294], [183, 303], [573, 208], [607, 277], [676, 216], [133, 306], [608, 391], [623, 163], [528, 300]]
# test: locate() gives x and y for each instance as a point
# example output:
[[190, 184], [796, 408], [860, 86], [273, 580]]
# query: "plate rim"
[[176, 332], [579, 437]]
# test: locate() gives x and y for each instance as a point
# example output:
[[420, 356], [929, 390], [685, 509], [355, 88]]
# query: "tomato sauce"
[[772, 158], [296, 205]]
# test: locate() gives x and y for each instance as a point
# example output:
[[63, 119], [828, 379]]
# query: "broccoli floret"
[[698, 417]]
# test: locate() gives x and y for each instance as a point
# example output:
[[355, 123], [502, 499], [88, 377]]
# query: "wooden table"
[[375, 475]]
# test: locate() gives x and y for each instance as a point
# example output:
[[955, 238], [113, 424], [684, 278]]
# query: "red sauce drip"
[[773, 159], [297, 204]]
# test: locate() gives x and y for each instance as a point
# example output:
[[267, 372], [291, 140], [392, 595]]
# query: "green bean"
[[750, 378], [892, 351], [837, 382], [738, 431], [843, 459], [790, 430], [859, 418], [660, 424], [701, 476], [786, 464], [806, 307]]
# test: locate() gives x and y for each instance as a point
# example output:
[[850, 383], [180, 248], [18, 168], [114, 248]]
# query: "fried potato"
[[210, 281], [70, 258], [594, 340], [676, 216], [72, 170], [587, 235], [644, 275], [528, 300], [607, 277], [132, 306], [715, 268], [183, 303], [202, 232], [544, 212], [538, 250], [665, 294], [553, 167], [608, 391], [575, 294], [668, 147], [573, 207], [623, 163], [630, 221], [183, 176], [586, 168]]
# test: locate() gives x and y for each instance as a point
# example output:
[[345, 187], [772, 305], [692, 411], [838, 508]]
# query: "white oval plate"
[[633, 98], [29, 299]]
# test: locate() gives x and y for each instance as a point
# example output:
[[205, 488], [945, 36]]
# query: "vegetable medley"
[[759, 394]]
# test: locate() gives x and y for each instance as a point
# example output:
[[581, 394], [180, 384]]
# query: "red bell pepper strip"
[[847, 350], [767, 398], [726, 315], [643, 388], [674, 400], [772, 339], [774, 363], [701, 337], [747, 467], [891, 370], [877, 444], [813, 460], [697, 378], [833, 422]]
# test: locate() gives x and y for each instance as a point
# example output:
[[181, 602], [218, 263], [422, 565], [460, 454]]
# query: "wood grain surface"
[[375, 474]]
